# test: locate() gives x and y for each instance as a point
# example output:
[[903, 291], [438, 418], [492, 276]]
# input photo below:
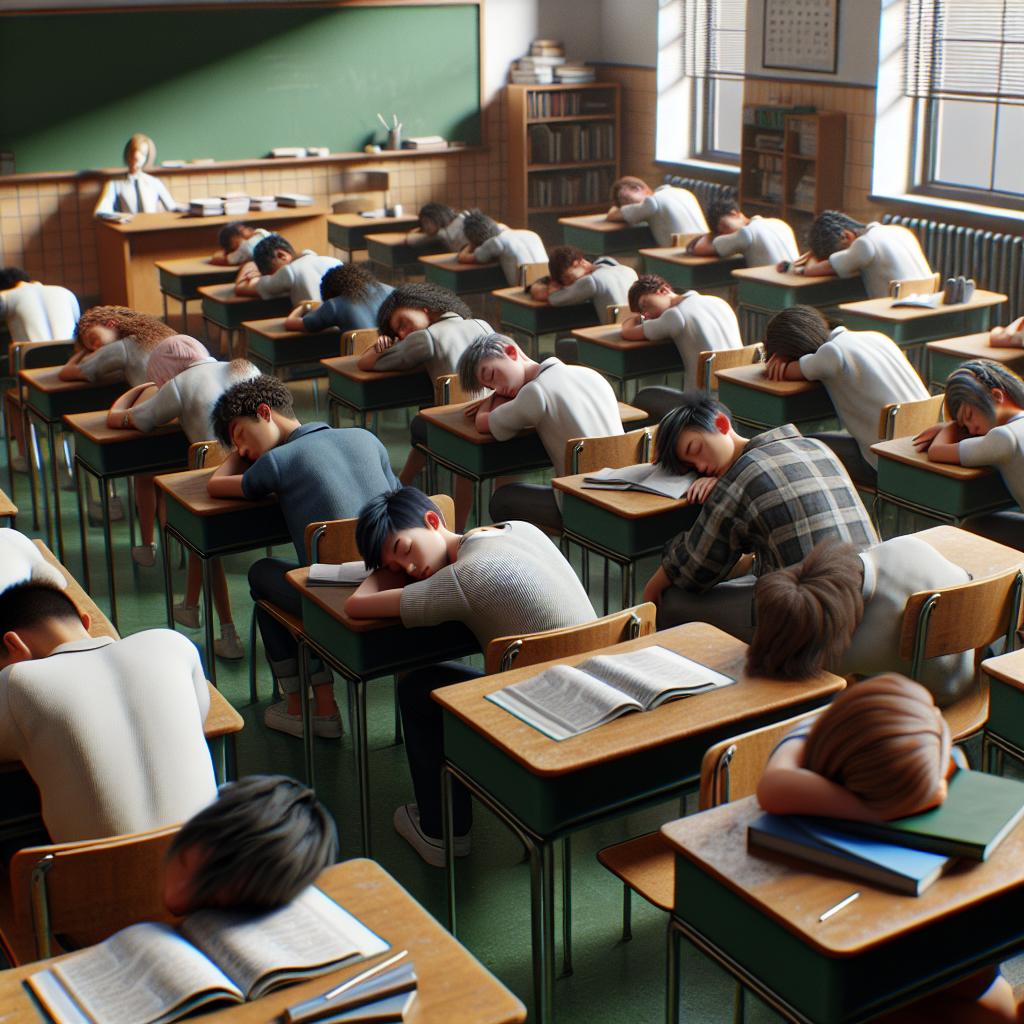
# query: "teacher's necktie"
[[138, 196]]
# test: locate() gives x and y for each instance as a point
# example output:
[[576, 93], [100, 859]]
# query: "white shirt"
[[39, 312], [667, 211], [123, 359], [299, 279], [119, 195], [1002, 447], [700, 323], [244, 252], [437, 348], [862, 372], [607, 285], [762, 243], [883, 253], [111, 732], [452, 236], [21, 561], [512, 248]]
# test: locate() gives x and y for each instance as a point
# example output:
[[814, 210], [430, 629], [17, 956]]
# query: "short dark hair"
[[264, 839], [402, 509], [27, 604], [561, 258], [10, 276], [263, 254], [420, 295], [971, 383], [695, 411], [350, 281], [645, 284], [244, 398], [796, 332], [719, 208], [437, 213], [478, 227], [487, 346], [827, 232], [630, 181], [229, 233]]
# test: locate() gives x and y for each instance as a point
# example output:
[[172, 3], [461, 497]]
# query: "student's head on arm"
[[791, 334], [272, 253], [36, 618], [567, 264], [257, 846], [478, 228], [351, 281], [494, 361], [697, 436], [833, 231], [10, 277], [102, 325], [254, 416], [414, 307], [232, 235], [650, 295], [628, 190], [982, 394], [725, 216], [434, 216]]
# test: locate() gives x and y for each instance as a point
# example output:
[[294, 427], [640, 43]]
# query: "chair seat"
[[647, 865], [969, 714]]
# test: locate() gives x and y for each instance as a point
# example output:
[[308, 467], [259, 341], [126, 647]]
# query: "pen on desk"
[[366, 975], [839, 906]]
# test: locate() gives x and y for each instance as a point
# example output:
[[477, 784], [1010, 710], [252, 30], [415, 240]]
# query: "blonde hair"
[[148, 331], [137, 140]]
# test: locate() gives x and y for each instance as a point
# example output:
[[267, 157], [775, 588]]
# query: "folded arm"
[[379, 596]]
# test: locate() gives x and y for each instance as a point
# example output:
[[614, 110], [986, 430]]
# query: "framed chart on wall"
[[801, 35]]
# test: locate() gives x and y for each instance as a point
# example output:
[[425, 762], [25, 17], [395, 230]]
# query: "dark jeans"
[[849, 454], [657, 400], [424, 743], [267, 583], [418, 429], [532, 503], [1004, 527]]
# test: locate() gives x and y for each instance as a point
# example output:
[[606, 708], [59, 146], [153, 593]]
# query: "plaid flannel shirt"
[[782, 496]]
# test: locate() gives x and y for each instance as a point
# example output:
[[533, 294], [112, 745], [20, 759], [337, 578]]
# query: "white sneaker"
[[187, 615], [431, 850], [144, 555], [228, 646]]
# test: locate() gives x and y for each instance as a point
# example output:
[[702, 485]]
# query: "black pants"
[[1005, 527], [424, 743], [267, 583], [849, 454]]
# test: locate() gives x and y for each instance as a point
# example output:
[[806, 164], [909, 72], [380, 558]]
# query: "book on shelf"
[[293, 199], [552, 144], [206, 206], [567, 700], [151, 973], [570, 188], [371, 996], [644, 476], [347, 574], [262, 203], [901, 868], [425, 142], [288, 152]]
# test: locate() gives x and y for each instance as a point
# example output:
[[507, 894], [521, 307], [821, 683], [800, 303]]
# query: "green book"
[[975, 817]]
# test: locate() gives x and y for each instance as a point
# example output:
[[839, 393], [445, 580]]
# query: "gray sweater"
[[607, 285], [436, 348]]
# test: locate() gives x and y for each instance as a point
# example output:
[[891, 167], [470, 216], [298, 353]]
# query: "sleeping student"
[[352, 297], [237, 243], [486, 241], [439, 224], [667, 210], [277, 269], [761, 241], [114, 343]]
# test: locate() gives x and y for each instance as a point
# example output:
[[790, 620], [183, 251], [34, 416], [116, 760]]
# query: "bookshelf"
[[563, 148], [791, 163]]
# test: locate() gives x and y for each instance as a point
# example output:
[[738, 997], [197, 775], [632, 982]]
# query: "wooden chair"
[[355, 343], [448, 390], [70, 895], [616, 314], [709, 363], [682, 239], [965, 617], [530, 272], [205, 455], [589, 454], [904, 419], [914, 286]]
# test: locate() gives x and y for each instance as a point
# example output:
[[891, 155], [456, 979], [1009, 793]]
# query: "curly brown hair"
[[148, 331]]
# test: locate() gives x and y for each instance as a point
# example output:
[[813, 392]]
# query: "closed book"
[[347, 574], [887, 864], [293, 199], [378, 998]]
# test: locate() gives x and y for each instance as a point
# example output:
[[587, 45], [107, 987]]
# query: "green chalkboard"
[[233, 84]]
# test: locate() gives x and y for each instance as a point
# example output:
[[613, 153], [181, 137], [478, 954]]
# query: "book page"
[[562, 701], [140, 975], [624, 474], [669, 485], [345, 574], [309, 933], [651, 673]]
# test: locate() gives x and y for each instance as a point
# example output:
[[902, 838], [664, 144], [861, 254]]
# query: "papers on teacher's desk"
[[645, 476]]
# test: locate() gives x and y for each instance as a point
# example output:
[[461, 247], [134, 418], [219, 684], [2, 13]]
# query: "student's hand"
[[1007, 337], [539, 292], [383, 343], [656, 586], [700, 489], [472, 408], [922, 442], [247, 270], [467, 254], [775, 368], [615, 214]]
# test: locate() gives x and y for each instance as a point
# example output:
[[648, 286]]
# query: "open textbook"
[[644, 476], [345, 574], [150, 973], [565, 700]]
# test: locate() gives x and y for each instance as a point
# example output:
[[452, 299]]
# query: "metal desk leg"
[[448, 835], [567, 904], [672, 975], [82, 513], [108, 549], [628, 584], [542, 914], [34, 460], [165, 554], [358, 694], [307, 715], [51, 444], [211, 654]]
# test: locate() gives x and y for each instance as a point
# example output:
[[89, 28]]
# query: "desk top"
[[7, 507], [610, 336], [883, 309], [332, 601], [165, 221], [453, 986], [631, 734], [753, 376], [901, 449], [978, 555], [357, 220], [673, 254], [93, 426], [795, 896], [597, 222], [388, 238], [225, 295], [450, 261], [518, 295], [348, 366], [769, 275], [45, 379], [627, 504], [191, 265], [1007, 667], [188, 489], [273, 328], [975, 346]]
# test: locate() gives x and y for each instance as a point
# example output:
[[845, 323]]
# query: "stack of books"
[[262, 203], [425, 143], [575, 73], [235, 203], [538, 67], [206, 206], [293, 199]]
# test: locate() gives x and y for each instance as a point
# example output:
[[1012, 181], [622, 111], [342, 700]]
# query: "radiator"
[[994, 260], [705, 191]]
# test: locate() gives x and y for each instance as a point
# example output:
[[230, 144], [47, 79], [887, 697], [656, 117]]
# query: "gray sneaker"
[[431, 850]]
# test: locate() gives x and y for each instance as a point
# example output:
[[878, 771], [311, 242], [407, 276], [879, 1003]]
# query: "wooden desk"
[[683, 270], [348, 231], [182, 279], [8, 510], [211, 528], [363, 649], [947, 354], [604, 349], [760, 403], [757, 916], [518, 313], [228, 311], [453, 986], [128, 251], [1004, 730], [388, 251], [445, 269], [107, 454], [596, 235], [761, 292], [274, 349], [546, 790], [367, 391], [937, 489]]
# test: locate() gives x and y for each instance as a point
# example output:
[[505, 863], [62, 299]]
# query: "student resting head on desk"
[[985, 404], [761, 241], [560, 402], [137, 192], [257, 846], [318, 474], [667, 210], [487, 241], [237, 242], [775, 495], [881, 750], [278, 270], [352, 298], [438, 223], [111, 731], [499, 580], [114, 343]]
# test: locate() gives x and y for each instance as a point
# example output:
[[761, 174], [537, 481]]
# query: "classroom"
[[512, 510]]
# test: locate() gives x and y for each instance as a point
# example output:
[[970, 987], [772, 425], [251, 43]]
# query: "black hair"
[[695, 411], [244, 398], [229, 233], [436, 213], [796, 332], [827, 232], [420, 295], [645, 284], [28, 604], [350, 281], [719, 208], [402, 509], [561, 258], [487, 346], [971, 383], [10, 276], [263, 840], [478, 227], [263, 254]]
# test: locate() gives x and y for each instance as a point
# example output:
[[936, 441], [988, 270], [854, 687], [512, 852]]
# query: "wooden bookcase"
[[563, 148], [794, 171]]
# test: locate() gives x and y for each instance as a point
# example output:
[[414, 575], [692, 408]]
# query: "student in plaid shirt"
[[774, 495]]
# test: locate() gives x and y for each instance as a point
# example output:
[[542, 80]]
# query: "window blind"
[[714, 38]]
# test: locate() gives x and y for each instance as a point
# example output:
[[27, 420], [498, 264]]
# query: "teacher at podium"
[[137, 192]]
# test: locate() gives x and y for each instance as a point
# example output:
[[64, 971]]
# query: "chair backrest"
[[334, 541], [205, 455], [530, 272], [589, 454], [84, 892], [507, 652], [355, 343], [709, 363], [964, 617], [32, 355], [904, 419], [682, 239], [448, 390], [914, 286], [615, 314], [732, 768]]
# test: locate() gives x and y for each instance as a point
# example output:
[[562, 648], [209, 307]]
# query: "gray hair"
[[487, 346]]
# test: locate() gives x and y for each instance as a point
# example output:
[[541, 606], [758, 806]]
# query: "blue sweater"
[[346, 314]]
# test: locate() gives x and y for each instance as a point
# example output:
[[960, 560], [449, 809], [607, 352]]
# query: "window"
[[965, 70]]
